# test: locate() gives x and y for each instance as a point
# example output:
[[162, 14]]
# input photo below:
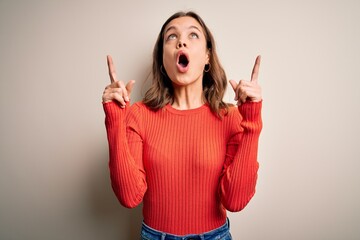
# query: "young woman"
[[182, 151]]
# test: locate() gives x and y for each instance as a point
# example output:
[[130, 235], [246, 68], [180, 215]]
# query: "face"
[[184, 52]]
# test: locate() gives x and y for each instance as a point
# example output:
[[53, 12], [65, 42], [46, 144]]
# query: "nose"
[[180, 44]]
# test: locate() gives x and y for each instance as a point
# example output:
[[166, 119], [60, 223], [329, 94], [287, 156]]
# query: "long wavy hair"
[[161, 91]]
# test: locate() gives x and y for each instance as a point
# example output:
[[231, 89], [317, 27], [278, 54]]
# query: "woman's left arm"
[[238, 180], [239, 176]]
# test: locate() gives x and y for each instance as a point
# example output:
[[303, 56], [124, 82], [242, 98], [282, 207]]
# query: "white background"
[[54, 181]]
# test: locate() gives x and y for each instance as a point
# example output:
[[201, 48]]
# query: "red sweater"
[[187, 166]]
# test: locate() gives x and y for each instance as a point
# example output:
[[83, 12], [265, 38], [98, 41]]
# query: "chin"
[[185, 81], [187, 78]]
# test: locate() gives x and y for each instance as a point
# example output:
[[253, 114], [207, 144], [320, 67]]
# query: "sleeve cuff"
[[113, 112], [251, 111]]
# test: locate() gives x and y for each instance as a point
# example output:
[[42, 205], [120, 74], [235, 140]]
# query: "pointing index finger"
[[255, 71], [112, 72]]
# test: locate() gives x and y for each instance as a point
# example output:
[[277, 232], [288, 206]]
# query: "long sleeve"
[[239, 176], [127, 173]]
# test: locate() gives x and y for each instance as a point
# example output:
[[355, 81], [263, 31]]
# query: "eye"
[[171, 37], [194, 35]]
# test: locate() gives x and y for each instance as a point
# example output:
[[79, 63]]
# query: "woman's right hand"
[[116, 90]]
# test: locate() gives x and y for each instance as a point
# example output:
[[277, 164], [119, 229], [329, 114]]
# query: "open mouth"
[[182, 62]]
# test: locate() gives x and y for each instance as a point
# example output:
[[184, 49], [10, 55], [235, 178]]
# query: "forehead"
[[183, 23]]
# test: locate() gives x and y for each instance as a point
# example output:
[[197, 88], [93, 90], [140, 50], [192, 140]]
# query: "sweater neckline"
[[197, 110]]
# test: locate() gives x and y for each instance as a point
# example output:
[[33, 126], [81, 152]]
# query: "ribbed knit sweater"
[[187, 166]]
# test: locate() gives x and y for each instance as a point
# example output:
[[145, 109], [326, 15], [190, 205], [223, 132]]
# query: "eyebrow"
[[174, 27]]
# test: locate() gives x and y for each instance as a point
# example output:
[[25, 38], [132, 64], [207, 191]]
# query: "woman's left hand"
[[248, 91]]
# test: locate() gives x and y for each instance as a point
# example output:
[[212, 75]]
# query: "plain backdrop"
[[54, 180]]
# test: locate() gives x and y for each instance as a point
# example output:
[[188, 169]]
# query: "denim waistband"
[[152, 234]]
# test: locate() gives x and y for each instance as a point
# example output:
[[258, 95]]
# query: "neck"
[[188, 97]]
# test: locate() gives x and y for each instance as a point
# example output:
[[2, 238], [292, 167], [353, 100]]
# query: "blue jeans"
[[221, 233]]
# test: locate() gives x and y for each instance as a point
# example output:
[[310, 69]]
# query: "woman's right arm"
[[127, 173], [125, 143]]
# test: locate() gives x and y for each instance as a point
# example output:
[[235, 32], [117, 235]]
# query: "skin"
[[248, 91], [184, 34], [116, 91]]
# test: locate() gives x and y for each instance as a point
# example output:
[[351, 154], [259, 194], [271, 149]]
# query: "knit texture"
[[187, 166]]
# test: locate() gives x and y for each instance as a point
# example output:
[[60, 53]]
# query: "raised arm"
[[239, 177], [125, 142]]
